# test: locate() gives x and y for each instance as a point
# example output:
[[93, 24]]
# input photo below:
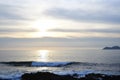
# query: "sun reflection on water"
[[43, 55]]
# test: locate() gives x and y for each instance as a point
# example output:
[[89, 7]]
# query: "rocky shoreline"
[[51, 76]]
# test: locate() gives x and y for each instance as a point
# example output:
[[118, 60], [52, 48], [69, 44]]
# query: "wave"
[[38, 64], [55, 64], [51, 64], [19, 63], [15, 75]]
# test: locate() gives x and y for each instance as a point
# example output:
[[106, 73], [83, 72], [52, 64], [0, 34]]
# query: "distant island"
[[112, 48]]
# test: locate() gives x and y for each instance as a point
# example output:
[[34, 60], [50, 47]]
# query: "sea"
[[14, 63]]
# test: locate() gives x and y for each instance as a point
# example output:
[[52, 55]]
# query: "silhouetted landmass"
[[51, 76], [112, 48]]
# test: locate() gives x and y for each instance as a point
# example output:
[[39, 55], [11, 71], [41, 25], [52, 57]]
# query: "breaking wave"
[[38, 64], [54, 64], [16, 75]]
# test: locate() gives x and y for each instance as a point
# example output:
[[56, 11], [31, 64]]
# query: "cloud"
[[10, 12], [87, 30], [12, 15], [85, 16], [95, 11], [18, 11], [18, 14], [14, 30]]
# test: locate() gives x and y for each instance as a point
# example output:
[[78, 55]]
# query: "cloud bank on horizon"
[[83, 21]]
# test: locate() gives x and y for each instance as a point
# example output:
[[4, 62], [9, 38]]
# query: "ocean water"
[[14, 63]]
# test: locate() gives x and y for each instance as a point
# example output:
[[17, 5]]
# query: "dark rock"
[[51, 76], [46, 76], [112, 48], [101, 77]]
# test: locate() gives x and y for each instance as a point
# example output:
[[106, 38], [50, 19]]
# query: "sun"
[[43, 25]]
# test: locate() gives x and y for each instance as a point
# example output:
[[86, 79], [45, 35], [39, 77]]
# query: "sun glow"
[[43, 25], [43, 55]]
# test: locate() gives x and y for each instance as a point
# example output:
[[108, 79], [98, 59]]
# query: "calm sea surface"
[[58, 61]]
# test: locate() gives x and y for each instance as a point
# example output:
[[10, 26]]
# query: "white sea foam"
[[12, 76], [77, 74]]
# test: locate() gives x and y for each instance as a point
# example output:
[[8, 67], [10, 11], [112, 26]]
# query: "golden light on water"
[[43, 55]]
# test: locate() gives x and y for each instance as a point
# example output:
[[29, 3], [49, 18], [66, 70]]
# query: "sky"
[[51, 24]]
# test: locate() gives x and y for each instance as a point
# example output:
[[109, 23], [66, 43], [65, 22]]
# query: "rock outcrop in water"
[[51, 76], [112, 48]]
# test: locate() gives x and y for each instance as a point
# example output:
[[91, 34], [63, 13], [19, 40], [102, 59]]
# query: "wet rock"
[[51, 76], [46, 76]]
